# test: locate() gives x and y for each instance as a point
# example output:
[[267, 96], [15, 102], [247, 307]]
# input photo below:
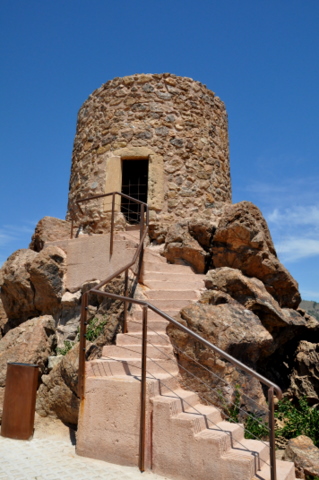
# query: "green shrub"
[[64, 350], [300, 419], [94, 329]]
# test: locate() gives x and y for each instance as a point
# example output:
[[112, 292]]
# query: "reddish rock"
[[49, 229], [17, 293], [182, 248], [3, 318], [304, 379], [46, 275], [233, 329], [305, 456], [31, 342], [57, 396], [242, 241]]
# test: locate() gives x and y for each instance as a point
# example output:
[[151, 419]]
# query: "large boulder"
[[304, 379], [32, 284], [233, 329], [47, 230], [17, 293], [58, 395], [46, 275], [32, 342], [182, 248], [305, 456], [242, 241]]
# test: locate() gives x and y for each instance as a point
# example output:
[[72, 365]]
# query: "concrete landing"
[[52, 457]]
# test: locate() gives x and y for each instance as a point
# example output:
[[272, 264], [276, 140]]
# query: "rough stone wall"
[[178, 119]]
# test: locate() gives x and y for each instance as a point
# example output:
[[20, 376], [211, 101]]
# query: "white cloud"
[[295, 248], [299, 215]]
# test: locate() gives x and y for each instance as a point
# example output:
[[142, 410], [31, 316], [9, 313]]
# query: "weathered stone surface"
[[69, 320], [183, 122], [57, 396], [46, 275], [31, 342], [3, 318], [49, 229], [17, 293], [242, 240], [305, 455], [304, 379], [180, 247], [233, 329]]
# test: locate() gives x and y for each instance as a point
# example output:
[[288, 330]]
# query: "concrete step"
[[261, 449], [135, 351], [177, 278], [124, 339], [137, 315], [190, 284], [177, 401], [153, 326], [170, 305], [212, 414], [171, 294], [285, 471], [166, 268], [151, 256], [159, 369]]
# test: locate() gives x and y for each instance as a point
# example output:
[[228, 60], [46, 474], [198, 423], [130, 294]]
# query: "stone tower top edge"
[[176, 123]]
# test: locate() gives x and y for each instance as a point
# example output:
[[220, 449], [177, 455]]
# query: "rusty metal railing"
[[138, 256], [272, 388]]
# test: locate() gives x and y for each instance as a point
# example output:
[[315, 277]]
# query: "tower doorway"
[[134, 184]]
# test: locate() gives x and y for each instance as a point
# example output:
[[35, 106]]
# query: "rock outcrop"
[[49, 229], [304, 379], [242, 240], [17, 294], [32, 342], [58, 395], [305, 455]]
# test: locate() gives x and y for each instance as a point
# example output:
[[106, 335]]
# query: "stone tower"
[[160, 138]]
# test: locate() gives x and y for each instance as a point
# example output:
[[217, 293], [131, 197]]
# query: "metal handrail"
[[84, 302], [272, 387]]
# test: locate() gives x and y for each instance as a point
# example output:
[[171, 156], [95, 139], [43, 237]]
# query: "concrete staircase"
[[185, 440]]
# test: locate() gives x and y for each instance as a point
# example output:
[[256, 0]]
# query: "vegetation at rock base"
[[299, 419], [94, 329], [65, 349]]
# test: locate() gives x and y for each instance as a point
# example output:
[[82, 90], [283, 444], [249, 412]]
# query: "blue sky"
[[260, 57]]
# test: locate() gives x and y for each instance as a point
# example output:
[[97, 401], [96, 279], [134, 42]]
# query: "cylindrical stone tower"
[[160, 138]]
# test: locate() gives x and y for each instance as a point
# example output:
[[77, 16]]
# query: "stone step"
[[153, 326], [170, 305], [166, 268], [285, 471], [137, 315], [211, 413], [261, 449], [171, 294], [177, 401], [135, 351], [104, 367], [127, 339], [191, 284], [177, 278], [150, 256]]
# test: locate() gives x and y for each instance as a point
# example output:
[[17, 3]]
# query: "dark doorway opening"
[[134, 184]]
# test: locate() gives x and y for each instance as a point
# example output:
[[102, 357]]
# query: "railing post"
[[272, 447], [112, 224], [84, 306], [142, 221], [125, 302], [143, 394]]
